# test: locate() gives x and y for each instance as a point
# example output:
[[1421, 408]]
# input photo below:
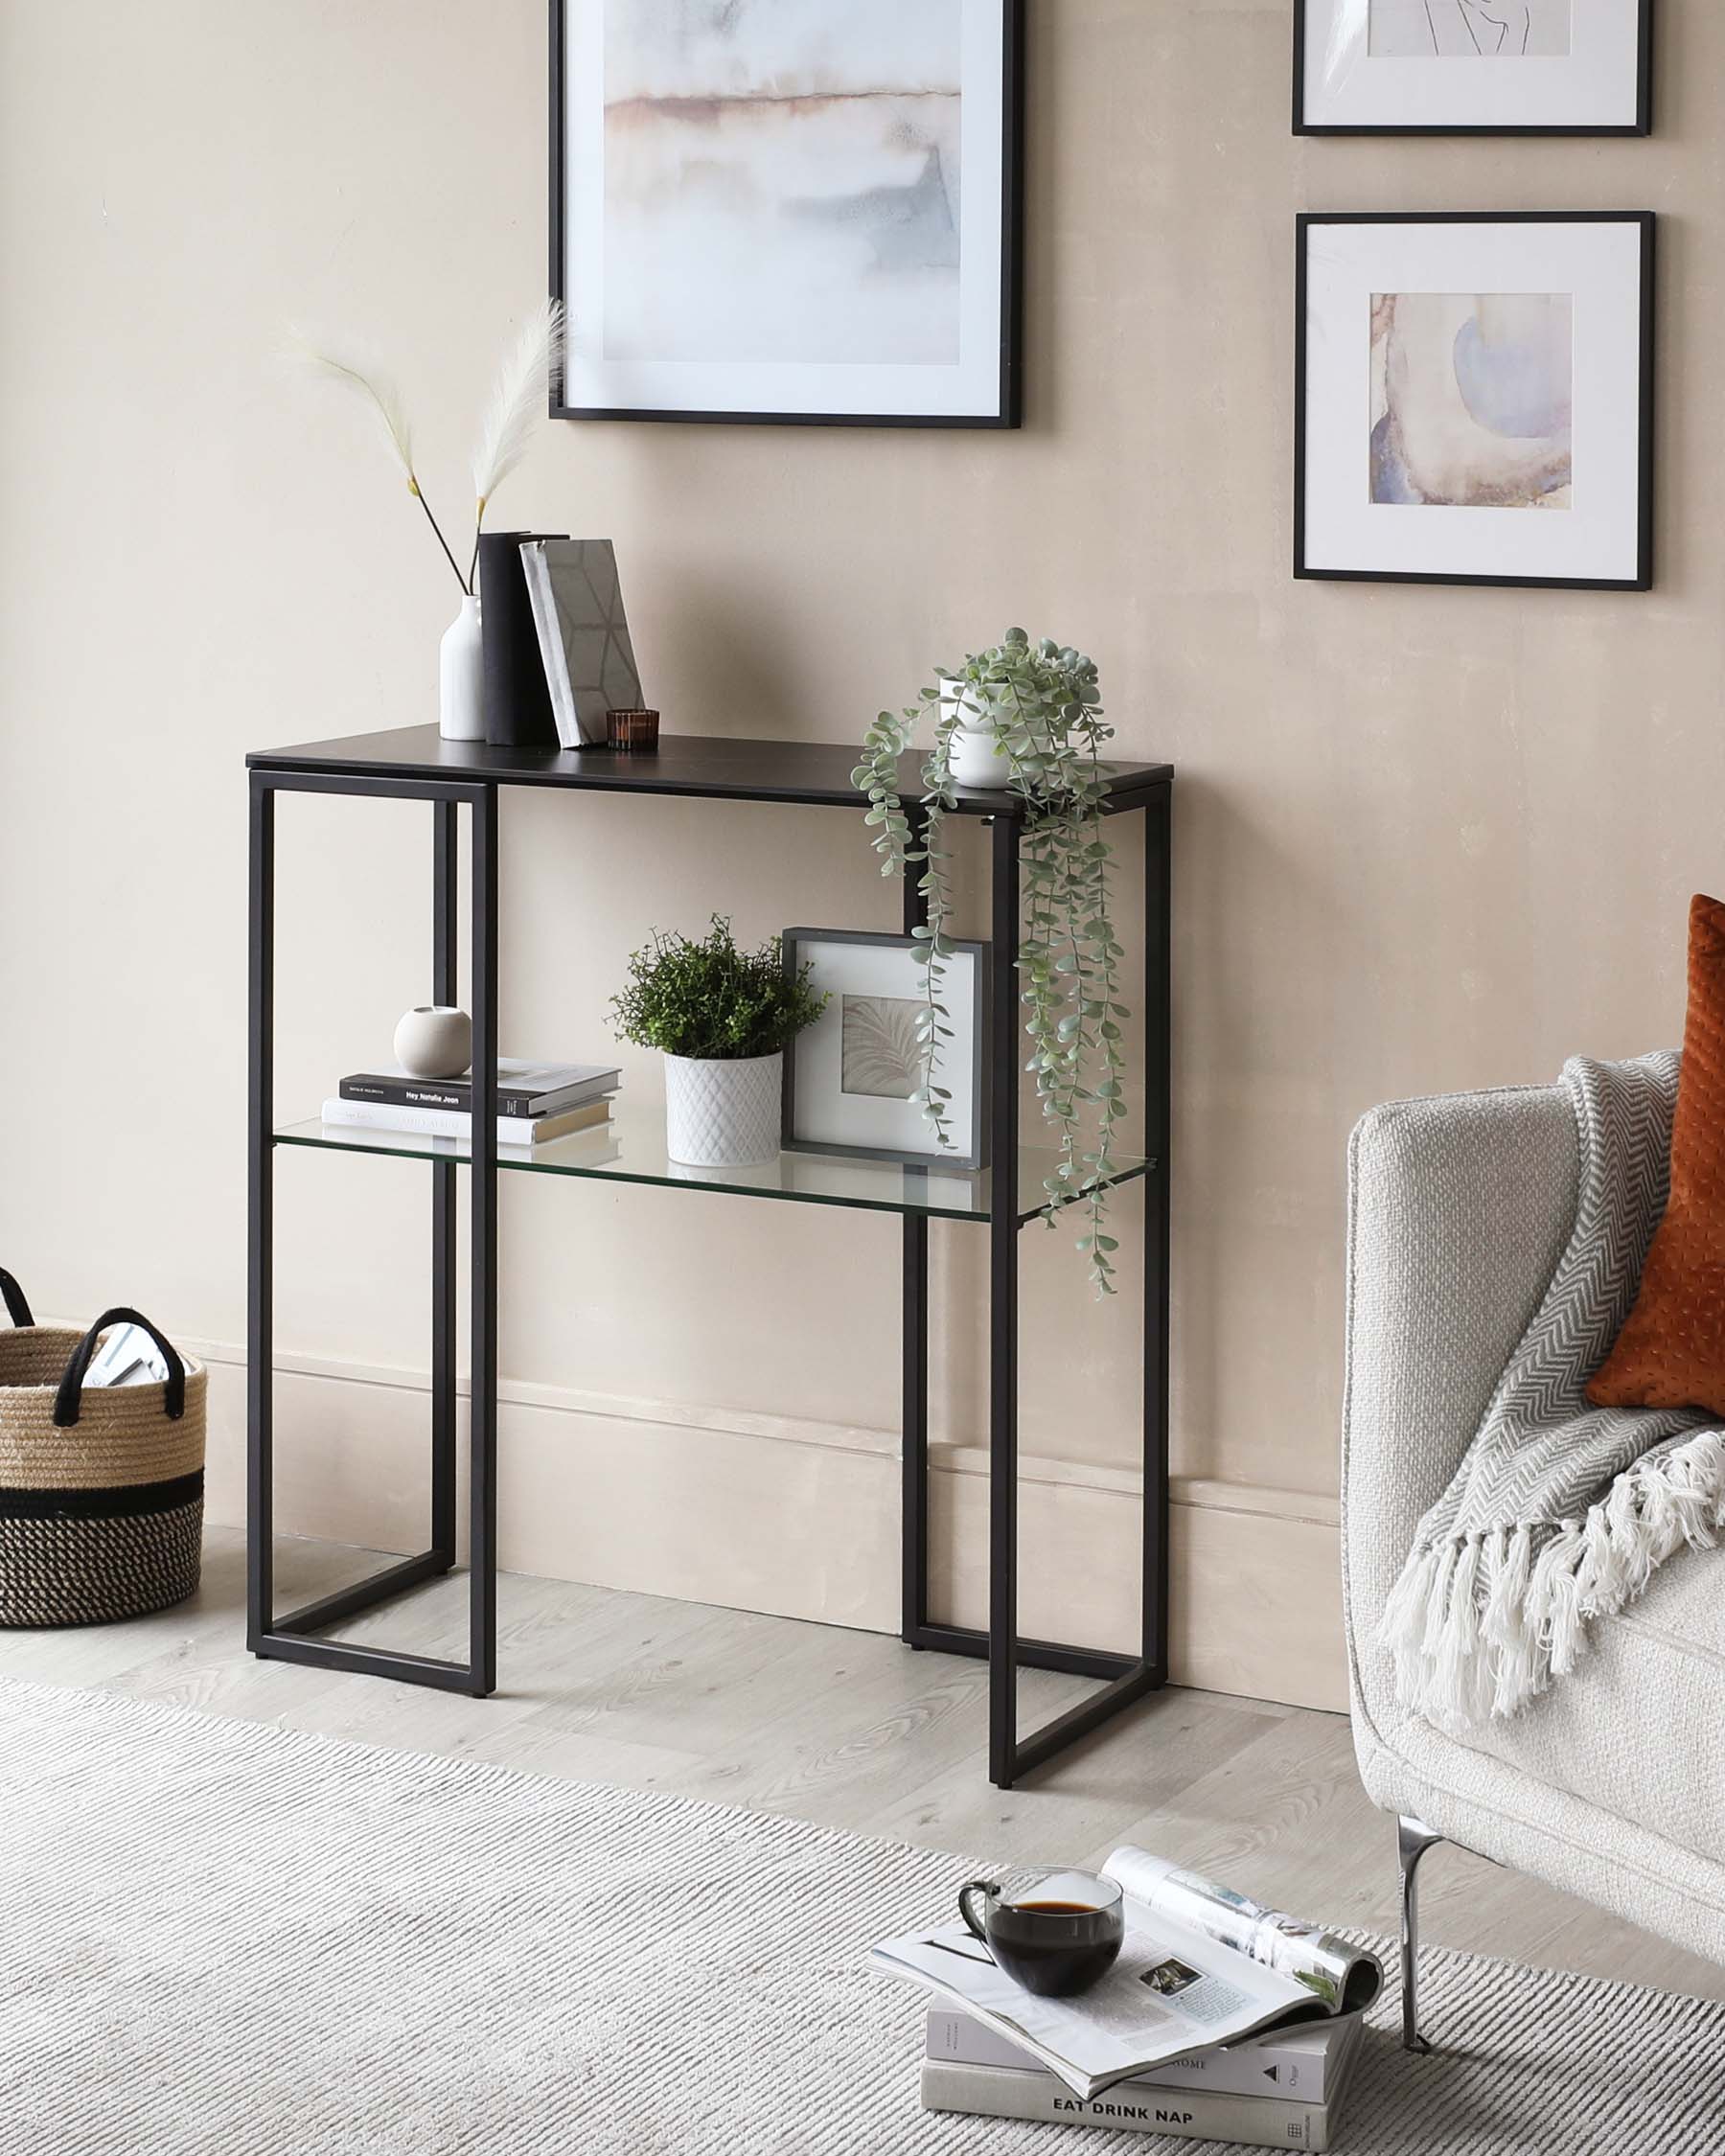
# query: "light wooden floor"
[[852, 1730]]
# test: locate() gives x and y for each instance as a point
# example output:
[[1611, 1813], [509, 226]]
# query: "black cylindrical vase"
[[517, 704]]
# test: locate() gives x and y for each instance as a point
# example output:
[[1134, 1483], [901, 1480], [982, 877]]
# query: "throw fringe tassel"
[[1403, 1629], [1508, 1637], [1481, 1625]]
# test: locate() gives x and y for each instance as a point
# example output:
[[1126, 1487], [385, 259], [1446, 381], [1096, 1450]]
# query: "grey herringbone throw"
[[1560, 1511]]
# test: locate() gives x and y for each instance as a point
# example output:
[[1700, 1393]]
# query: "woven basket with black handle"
[[101, 1491]]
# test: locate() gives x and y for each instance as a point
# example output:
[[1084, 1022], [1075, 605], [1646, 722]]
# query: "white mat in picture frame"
[[1474, 397], [851, 1077], [1486, 68]]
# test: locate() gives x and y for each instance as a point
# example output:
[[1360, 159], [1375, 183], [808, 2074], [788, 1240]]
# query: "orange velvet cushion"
[[1671, 1350]]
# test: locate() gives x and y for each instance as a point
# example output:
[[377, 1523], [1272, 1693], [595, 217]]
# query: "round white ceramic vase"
[[434, 1041], [722, 1114], [972, 757], [461, 677]]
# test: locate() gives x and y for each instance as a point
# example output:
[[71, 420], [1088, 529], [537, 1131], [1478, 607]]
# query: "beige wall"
[[1426, 838]]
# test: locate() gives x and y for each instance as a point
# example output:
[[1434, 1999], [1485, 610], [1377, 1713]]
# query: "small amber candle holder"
[[633, 729]]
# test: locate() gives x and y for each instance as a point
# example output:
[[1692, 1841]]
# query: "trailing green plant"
[[1041, 705], [709, 1000]]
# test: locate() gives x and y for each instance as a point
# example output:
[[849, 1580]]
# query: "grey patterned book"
[[584, 636]]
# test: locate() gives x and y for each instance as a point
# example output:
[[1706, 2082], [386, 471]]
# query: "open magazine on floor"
[[1201, 1965]]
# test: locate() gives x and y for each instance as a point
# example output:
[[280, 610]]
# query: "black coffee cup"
[[1054, 1932]]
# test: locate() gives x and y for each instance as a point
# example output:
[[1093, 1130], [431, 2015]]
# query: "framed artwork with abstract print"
[[1474, 397], [852, 1077], [1473, 67], [788, 210]]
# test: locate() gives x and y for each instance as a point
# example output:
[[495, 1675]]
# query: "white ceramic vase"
[[461, 677], [434, 1041], [971, 755], [722, 1114]]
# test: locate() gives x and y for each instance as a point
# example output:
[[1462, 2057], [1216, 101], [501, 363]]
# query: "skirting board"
[[800, 1519]]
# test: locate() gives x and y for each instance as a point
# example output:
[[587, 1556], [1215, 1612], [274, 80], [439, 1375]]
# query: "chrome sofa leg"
[[1413, 1839]]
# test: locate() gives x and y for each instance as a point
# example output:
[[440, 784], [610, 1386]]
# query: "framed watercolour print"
[[850, 1076], [788, 210], [1472, 67], [1474, 397]]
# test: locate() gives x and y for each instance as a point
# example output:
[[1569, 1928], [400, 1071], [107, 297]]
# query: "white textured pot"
[[435, 1041], [974, 759], [972, 756], [461, 677], [722, 1114]]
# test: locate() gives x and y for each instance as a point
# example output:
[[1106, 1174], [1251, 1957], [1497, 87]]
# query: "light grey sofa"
[[1611, 1786]]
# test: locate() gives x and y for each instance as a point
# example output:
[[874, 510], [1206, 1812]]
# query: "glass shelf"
[[631, 1148]]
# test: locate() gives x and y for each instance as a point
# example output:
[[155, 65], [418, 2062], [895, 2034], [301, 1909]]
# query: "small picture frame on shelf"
[[849, 1078], [1474, 397], [1472, 67]]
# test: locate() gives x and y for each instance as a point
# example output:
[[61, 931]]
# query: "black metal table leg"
[[1159, 1035], [1002, 1308], [292, 1638], [482, 1559], [446, 988], [1124, 1678], [259, 1217], [913, 1445]]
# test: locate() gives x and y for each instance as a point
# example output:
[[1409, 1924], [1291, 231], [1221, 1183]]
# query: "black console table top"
[[815, 773]]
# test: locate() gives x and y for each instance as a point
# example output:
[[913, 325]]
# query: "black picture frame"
[[1009, 411], [935, 1161], [1643, 581], [1642, 125]]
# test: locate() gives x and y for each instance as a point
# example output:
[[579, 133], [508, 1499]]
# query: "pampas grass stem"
[[517, 403], [519, 398], [360, 375]]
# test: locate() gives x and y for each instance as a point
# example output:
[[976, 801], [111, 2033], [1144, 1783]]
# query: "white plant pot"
[[722, 1114], [435, 1041], [974, 760], [971, 757], [461, 677]]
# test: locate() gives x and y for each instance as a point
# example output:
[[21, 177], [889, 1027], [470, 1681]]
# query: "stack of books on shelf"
[[536, 1102], [1219, 2021]]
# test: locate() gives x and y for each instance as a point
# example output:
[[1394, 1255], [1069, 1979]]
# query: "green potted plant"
[[1024, 719], [723, 1019]]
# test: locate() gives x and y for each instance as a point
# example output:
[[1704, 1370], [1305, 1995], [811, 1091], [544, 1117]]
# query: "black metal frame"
[[1125, 1677], [1641, 124], [295, 1636], [1009, 412], [1642, 580]]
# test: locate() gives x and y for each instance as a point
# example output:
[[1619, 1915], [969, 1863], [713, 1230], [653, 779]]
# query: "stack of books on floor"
[[1281, 2092], [1219, 2020], [537, 1102]]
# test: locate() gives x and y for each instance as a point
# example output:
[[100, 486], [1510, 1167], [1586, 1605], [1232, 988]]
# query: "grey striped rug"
[[227, 1940]]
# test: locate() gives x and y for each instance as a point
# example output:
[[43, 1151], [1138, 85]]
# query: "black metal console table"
[[415, 764]]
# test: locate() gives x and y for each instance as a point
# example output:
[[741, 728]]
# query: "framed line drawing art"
[[1474, 397], [806, 212], [1473, 67], [849, 1077]]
